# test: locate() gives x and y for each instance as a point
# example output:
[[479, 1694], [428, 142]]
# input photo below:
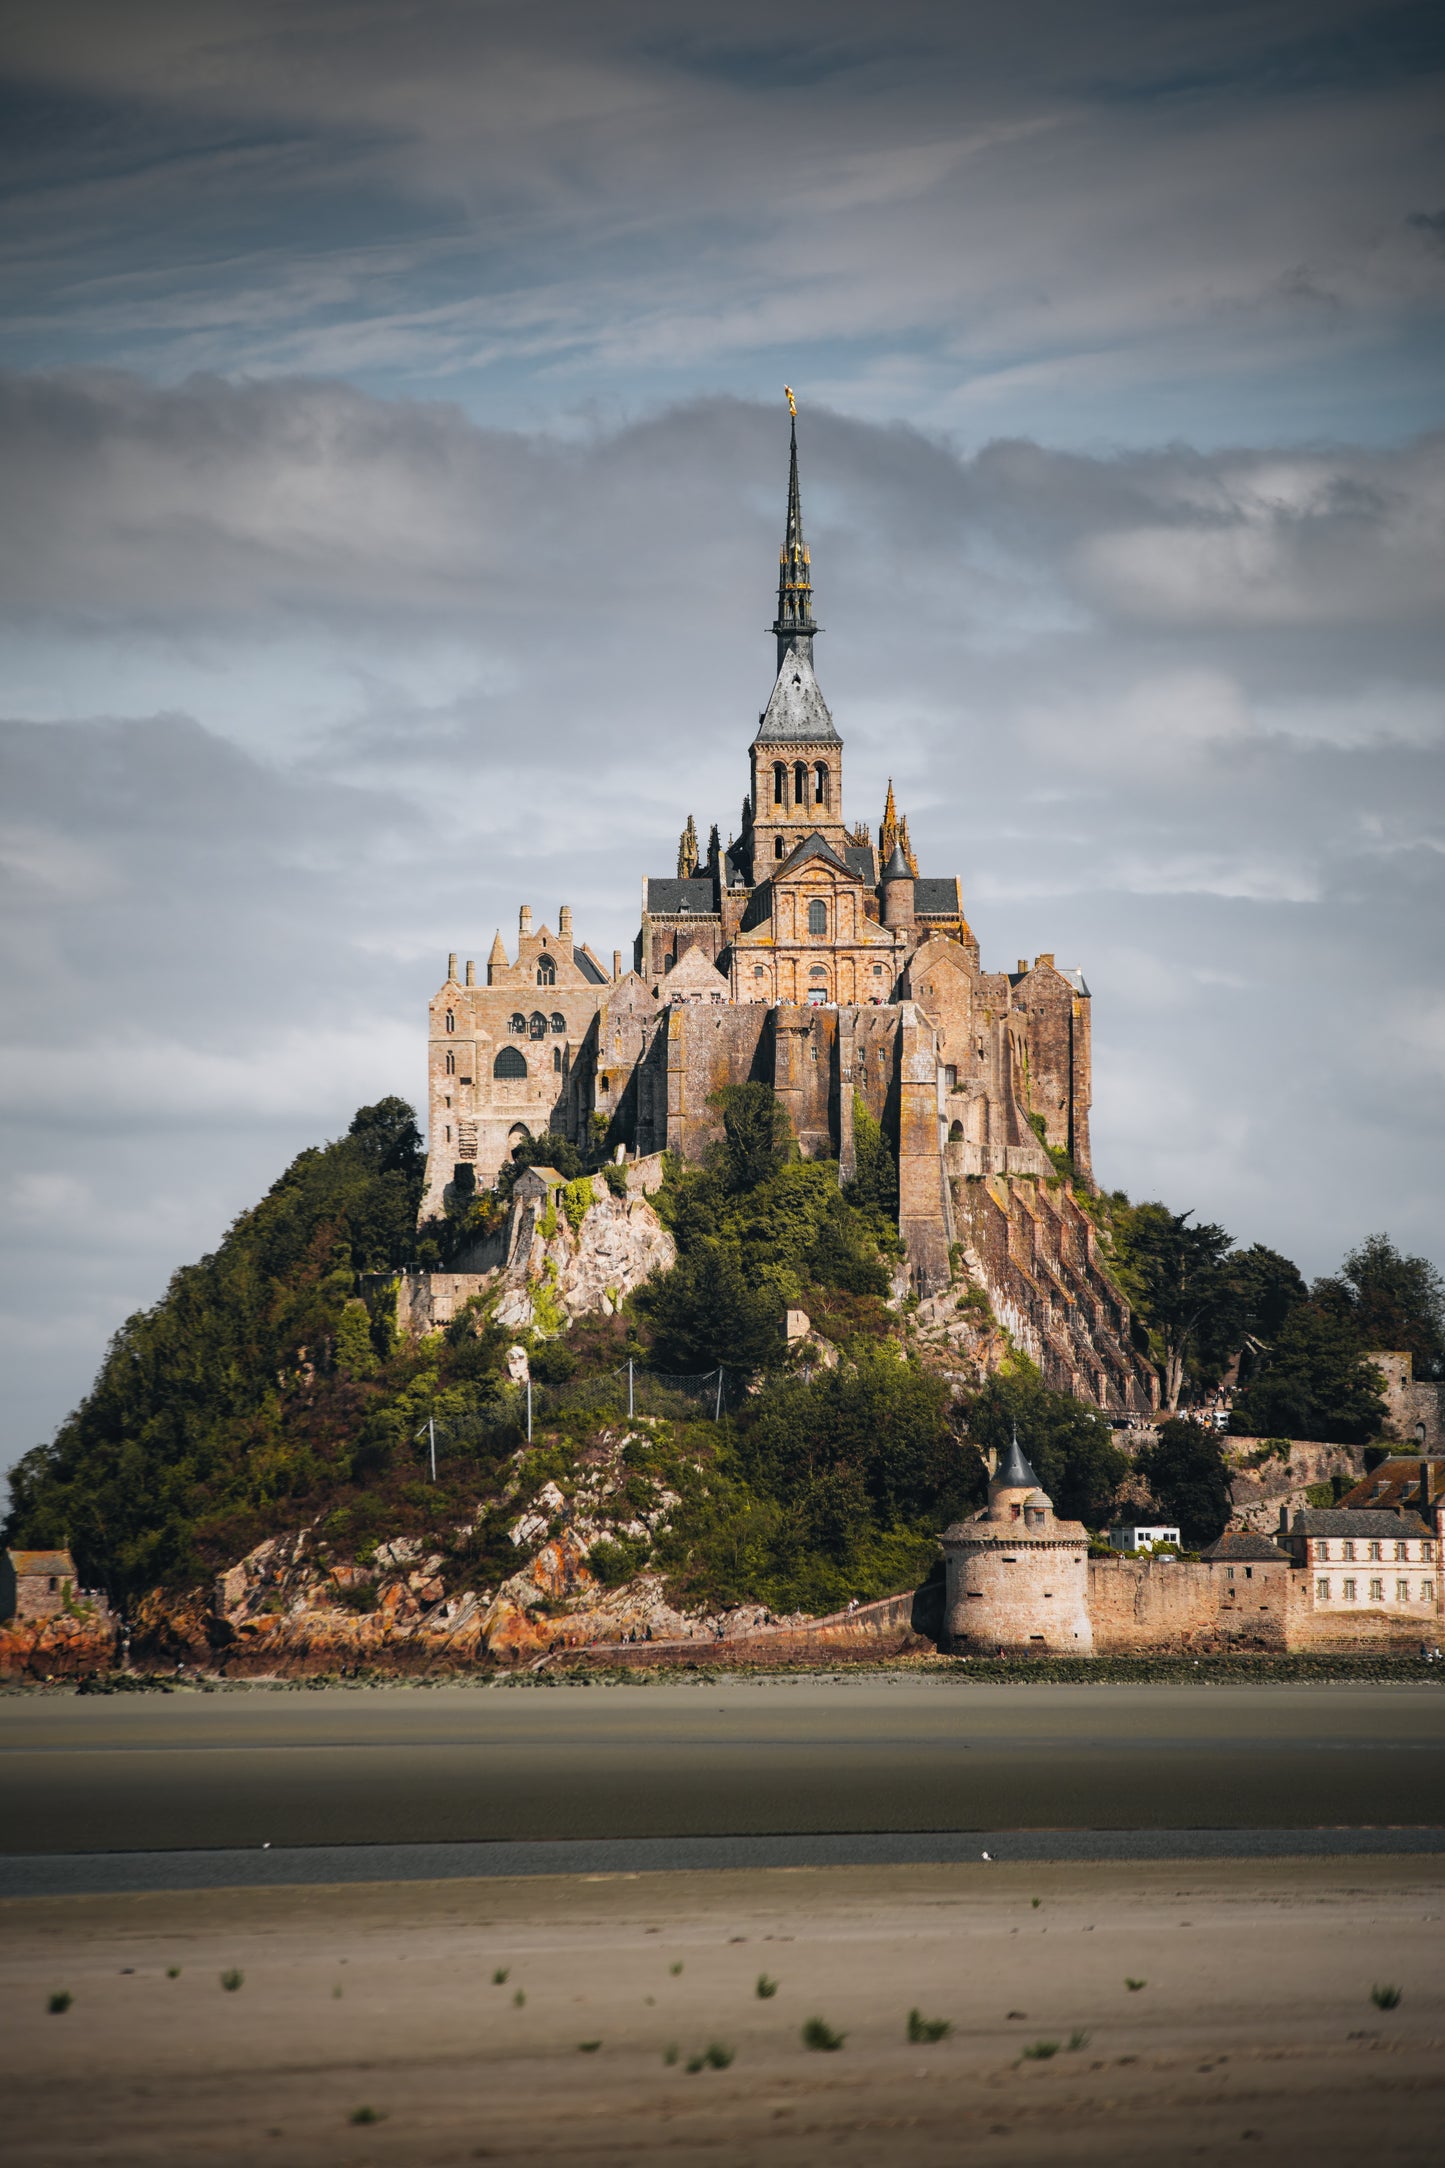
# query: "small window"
[[780, 783], [955, 1134], [817, 916], [820, 782], [517, 1024], [546, 971], [818, 971], [1402, 1550], [451, 1064], [451, 1020], [950, 1078], [465, 1080], [1229, 1573], [1377, 1591], [1427, 1592], [1402, 1592], [800, 782], [537, 1025], [1249, 1573], [606, 1083], [1374, 1550], [878, 971], [1350, 1591], [559, 1021], [777, 847], [510, 1061], [557, 1058], [1347, 1550], [1322, 1591], [757, 971]]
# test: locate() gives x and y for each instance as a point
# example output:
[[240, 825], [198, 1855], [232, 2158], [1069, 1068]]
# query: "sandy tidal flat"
[[1254, 2037]]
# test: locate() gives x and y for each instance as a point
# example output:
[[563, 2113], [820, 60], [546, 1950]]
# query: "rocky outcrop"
[[67, 1646], [1267, 1473], [569, 1250]]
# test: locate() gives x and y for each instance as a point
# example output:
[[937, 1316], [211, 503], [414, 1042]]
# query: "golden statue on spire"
[[792, 402]]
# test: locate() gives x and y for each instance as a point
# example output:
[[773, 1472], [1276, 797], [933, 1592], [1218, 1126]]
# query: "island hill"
[[724, 1283]]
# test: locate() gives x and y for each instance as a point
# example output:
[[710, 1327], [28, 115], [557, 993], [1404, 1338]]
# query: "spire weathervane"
[[794, 627]]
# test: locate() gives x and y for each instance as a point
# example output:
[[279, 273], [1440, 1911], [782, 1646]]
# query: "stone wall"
[[1257, 1494], [1153, 1606]]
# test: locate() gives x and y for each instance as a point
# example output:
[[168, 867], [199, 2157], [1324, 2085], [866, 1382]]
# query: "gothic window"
[[517, 1024], [800, 783], [546, 971], [780, 783], [537, 1025], [451, 1020], [559, 1021], [817, 916], [451, 1064], [510, 1061], [557, 1058], [820, 783]]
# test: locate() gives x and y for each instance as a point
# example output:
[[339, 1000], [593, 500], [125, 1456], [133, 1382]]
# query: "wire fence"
[[627, 1392]]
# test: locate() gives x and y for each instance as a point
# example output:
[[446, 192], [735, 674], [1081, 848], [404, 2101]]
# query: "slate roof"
[[937, 899], [1332, 1521], [1390, 1485], [1242, 1543], [588, 969], [57, 1563], [898, 868], [862, 862], [674, 897], [813, 846], [1014, 1472], [796, 710]]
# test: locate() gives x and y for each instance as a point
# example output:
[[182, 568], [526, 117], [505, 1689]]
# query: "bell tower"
[[797, 754]]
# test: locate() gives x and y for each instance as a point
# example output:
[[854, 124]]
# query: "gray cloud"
[[433, 670]]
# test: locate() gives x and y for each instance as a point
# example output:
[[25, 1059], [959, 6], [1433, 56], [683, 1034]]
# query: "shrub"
[[923, 2029], [1135, 1985], [365, 2115], [1386, 1998], [358, 1596], [231, 1980], [766, 1988], [588, 2047], [821, 2037], [616, 1178], [1040, 2051], [60, 2002]]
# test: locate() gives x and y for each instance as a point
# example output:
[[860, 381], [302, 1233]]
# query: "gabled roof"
[[589, 968], [813, 846], [1328, 1521], [673, 897], [862, 862], [1242, 1543], [796, 711], [57, 1563]]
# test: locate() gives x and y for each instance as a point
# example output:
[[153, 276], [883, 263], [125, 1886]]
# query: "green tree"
[[1182, 1284], [1071, 1446], [1392, 1301], [703, 1312], [1188, 1476], [873, 1190], [755, 1139], [1312, 1383]]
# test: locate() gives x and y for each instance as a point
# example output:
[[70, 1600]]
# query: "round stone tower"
[[1018, 1578]]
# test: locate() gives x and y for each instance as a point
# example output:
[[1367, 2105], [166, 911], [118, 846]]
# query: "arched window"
[[780, 783], [451, 1064], [820, 782], [819, 971], [510, 1061], [955, 1134], [537, 1025], [800, 783], [777, 846], [546, 971], [817, 916], [451, 1020], [559, 1021], [517, 1024], [557, 1058]]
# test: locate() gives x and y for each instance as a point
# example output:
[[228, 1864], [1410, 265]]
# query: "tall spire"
[[888, 826], [794, 627]]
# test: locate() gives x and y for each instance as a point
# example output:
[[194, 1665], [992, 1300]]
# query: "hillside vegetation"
[[268, 1388]]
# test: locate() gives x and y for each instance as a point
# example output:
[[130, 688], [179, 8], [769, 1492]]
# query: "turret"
[[897, 892]]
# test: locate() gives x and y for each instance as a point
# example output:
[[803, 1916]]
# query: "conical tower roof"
[[1014, 1472], [898, 868]]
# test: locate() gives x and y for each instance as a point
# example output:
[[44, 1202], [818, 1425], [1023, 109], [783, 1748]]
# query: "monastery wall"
[[1159, 1606]]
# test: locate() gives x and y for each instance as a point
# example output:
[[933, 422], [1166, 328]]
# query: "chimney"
[[564, 923], [471, 972], [452, 968], [1023, 965], [524, 920], [1284, 1520], [617, 963], [1046, 958]]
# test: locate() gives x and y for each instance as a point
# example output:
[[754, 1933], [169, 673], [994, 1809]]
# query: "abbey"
[[810, 954]]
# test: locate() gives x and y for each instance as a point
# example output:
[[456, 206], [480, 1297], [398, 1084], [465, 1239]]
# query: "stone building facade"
[[1021, 1582], [811, 955]]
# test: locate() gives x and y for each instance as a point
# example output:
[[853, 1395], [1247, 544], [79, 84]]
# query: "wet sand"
[[715, 1758], [1254, 2037]]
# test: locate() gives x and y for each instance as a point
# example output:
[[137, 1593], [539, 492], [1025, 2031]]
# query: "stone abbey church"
[[812, 955]]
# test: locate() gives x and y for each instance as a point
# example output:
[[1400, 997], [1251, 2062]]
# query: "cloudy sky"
[[394, 449]]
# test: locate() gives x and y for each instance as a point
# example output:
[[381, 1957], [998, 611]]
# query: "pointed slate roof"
[[796, 711], [1014, 1472], [898, 868], [813, 846]]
